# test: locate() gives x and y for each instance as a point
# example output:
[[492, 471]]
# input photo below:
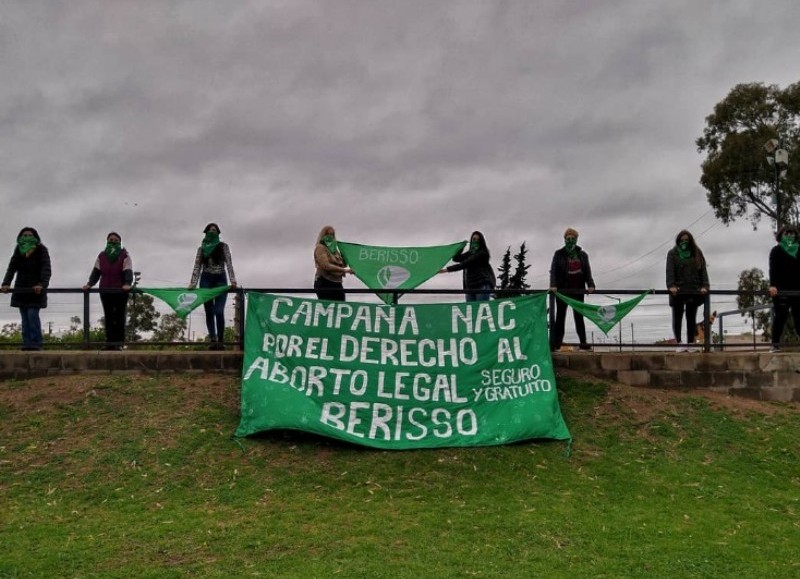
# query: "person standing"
[[330, 267], [478, 277], [113, 268], [212, 260], [784, 275], [571, 275], [30, 263], [687, 282]]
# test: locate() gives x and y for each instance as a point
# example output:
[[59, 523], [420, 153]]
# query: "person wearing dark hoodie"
[[478, 277], [570, 274], [784, 275], [30, 263], [113, 268], [212, 260], [687, 282]]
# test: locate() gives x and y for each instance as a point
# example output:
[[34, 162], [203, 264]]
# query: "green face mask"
[[210, 242], [474, 245], [569, 244], [329, 241], [684, 245], [113, 249], [789, 244], [26, 243]]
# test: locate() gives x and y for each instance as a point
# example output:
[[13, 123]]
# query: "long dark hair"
[[699, 258]]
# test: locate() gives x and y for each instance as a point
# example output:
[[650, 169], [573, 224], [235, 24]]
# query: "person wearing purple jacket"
[[113, 268]]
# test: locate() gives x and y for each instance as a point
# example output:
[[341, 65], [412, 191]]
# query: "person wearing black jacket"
[[784, 275], [687, 282], [479, 278], [570, 274], [30, 263]]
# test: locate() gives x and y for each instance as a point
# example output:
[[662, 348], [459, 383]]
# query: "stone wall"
[[761, 376]]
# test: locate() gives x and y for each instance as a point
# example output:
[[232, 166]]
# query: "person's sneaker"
[[775, 348], [585, 347], [679, 349]]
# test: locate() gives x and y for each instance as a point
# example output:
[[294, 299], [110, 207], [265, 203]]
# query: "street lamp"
[[778, 158]]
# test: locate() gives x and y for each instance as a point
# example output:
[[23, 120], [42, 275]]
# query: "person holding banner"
[[570, 274], [478, 275], [330, 266], [30, 262], [687, 282], [113, 268], [784, 275], [212, 259]]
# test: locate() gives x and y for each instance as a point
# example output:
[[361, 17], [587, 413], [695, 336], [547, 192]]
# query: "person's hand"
[[37, 289], [4, 288], [234, 285], [553, 289], [85, 287], [126, 288], [590, 290], [443, 270], [773, 291], [704, 290], [673, 290], [190, 287]]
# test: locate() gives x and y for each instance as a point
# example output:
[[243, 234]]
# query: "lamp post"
[[778, 158]]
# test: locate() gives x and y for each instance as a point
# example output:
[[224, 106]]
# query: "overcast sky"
[[397, 122]]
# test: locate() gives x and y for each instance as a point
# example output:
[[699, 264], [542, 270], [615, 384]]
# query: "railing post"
[[551, 318], [240, 316], [86, 320], [706, 324]]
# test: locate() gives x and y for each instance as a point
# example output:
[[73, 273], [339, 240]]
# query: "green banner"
[[604, 317], [382, 267], [400, 377], [183, 300]]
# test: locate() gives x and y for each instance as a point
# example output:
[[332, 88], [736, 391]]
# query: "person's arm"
[[554, 272], [671, 272], [94, 277], [774, 281], [322, 257], [46, 271], [587, 269], [198, 261], [229, 264], [465, 260], [127, 272], [10, 271]]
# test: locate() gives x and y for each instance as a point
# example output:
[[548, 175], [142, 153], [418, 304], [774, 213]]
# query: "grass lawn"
[[131, 476]]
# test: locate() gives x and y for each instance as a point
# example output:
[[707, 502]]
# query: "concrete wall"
[[761, 376]]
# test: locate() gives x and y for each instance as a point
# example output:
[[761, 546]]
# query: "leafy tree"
[[517, 280], [170, 328], [737, 174], [754, 280], [142, 317]]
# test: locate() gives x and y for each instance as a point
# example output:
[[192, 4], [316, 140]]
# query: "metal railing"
[[239, 314]]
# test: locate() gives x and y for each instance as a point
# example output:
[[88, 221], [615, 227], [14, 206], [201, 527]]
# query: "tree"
[[517, 281], [142, 317], [752, 280], [170, 328], [737, 174], [504, 270]]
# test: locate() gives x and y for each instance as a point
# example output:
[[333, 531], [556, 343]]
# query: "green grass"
[[138, 477]]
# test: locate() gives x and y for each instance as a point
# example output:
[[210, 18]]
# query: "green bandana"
[[26, 243], [789, 245], [682, 249], [329, 241], [474, 246], [112, 250], [570, 247], [210, 243]]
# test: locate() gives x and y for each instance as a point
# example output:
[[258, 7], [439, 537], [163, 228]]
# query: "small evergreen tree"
[[517, 281], [504, 278]]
